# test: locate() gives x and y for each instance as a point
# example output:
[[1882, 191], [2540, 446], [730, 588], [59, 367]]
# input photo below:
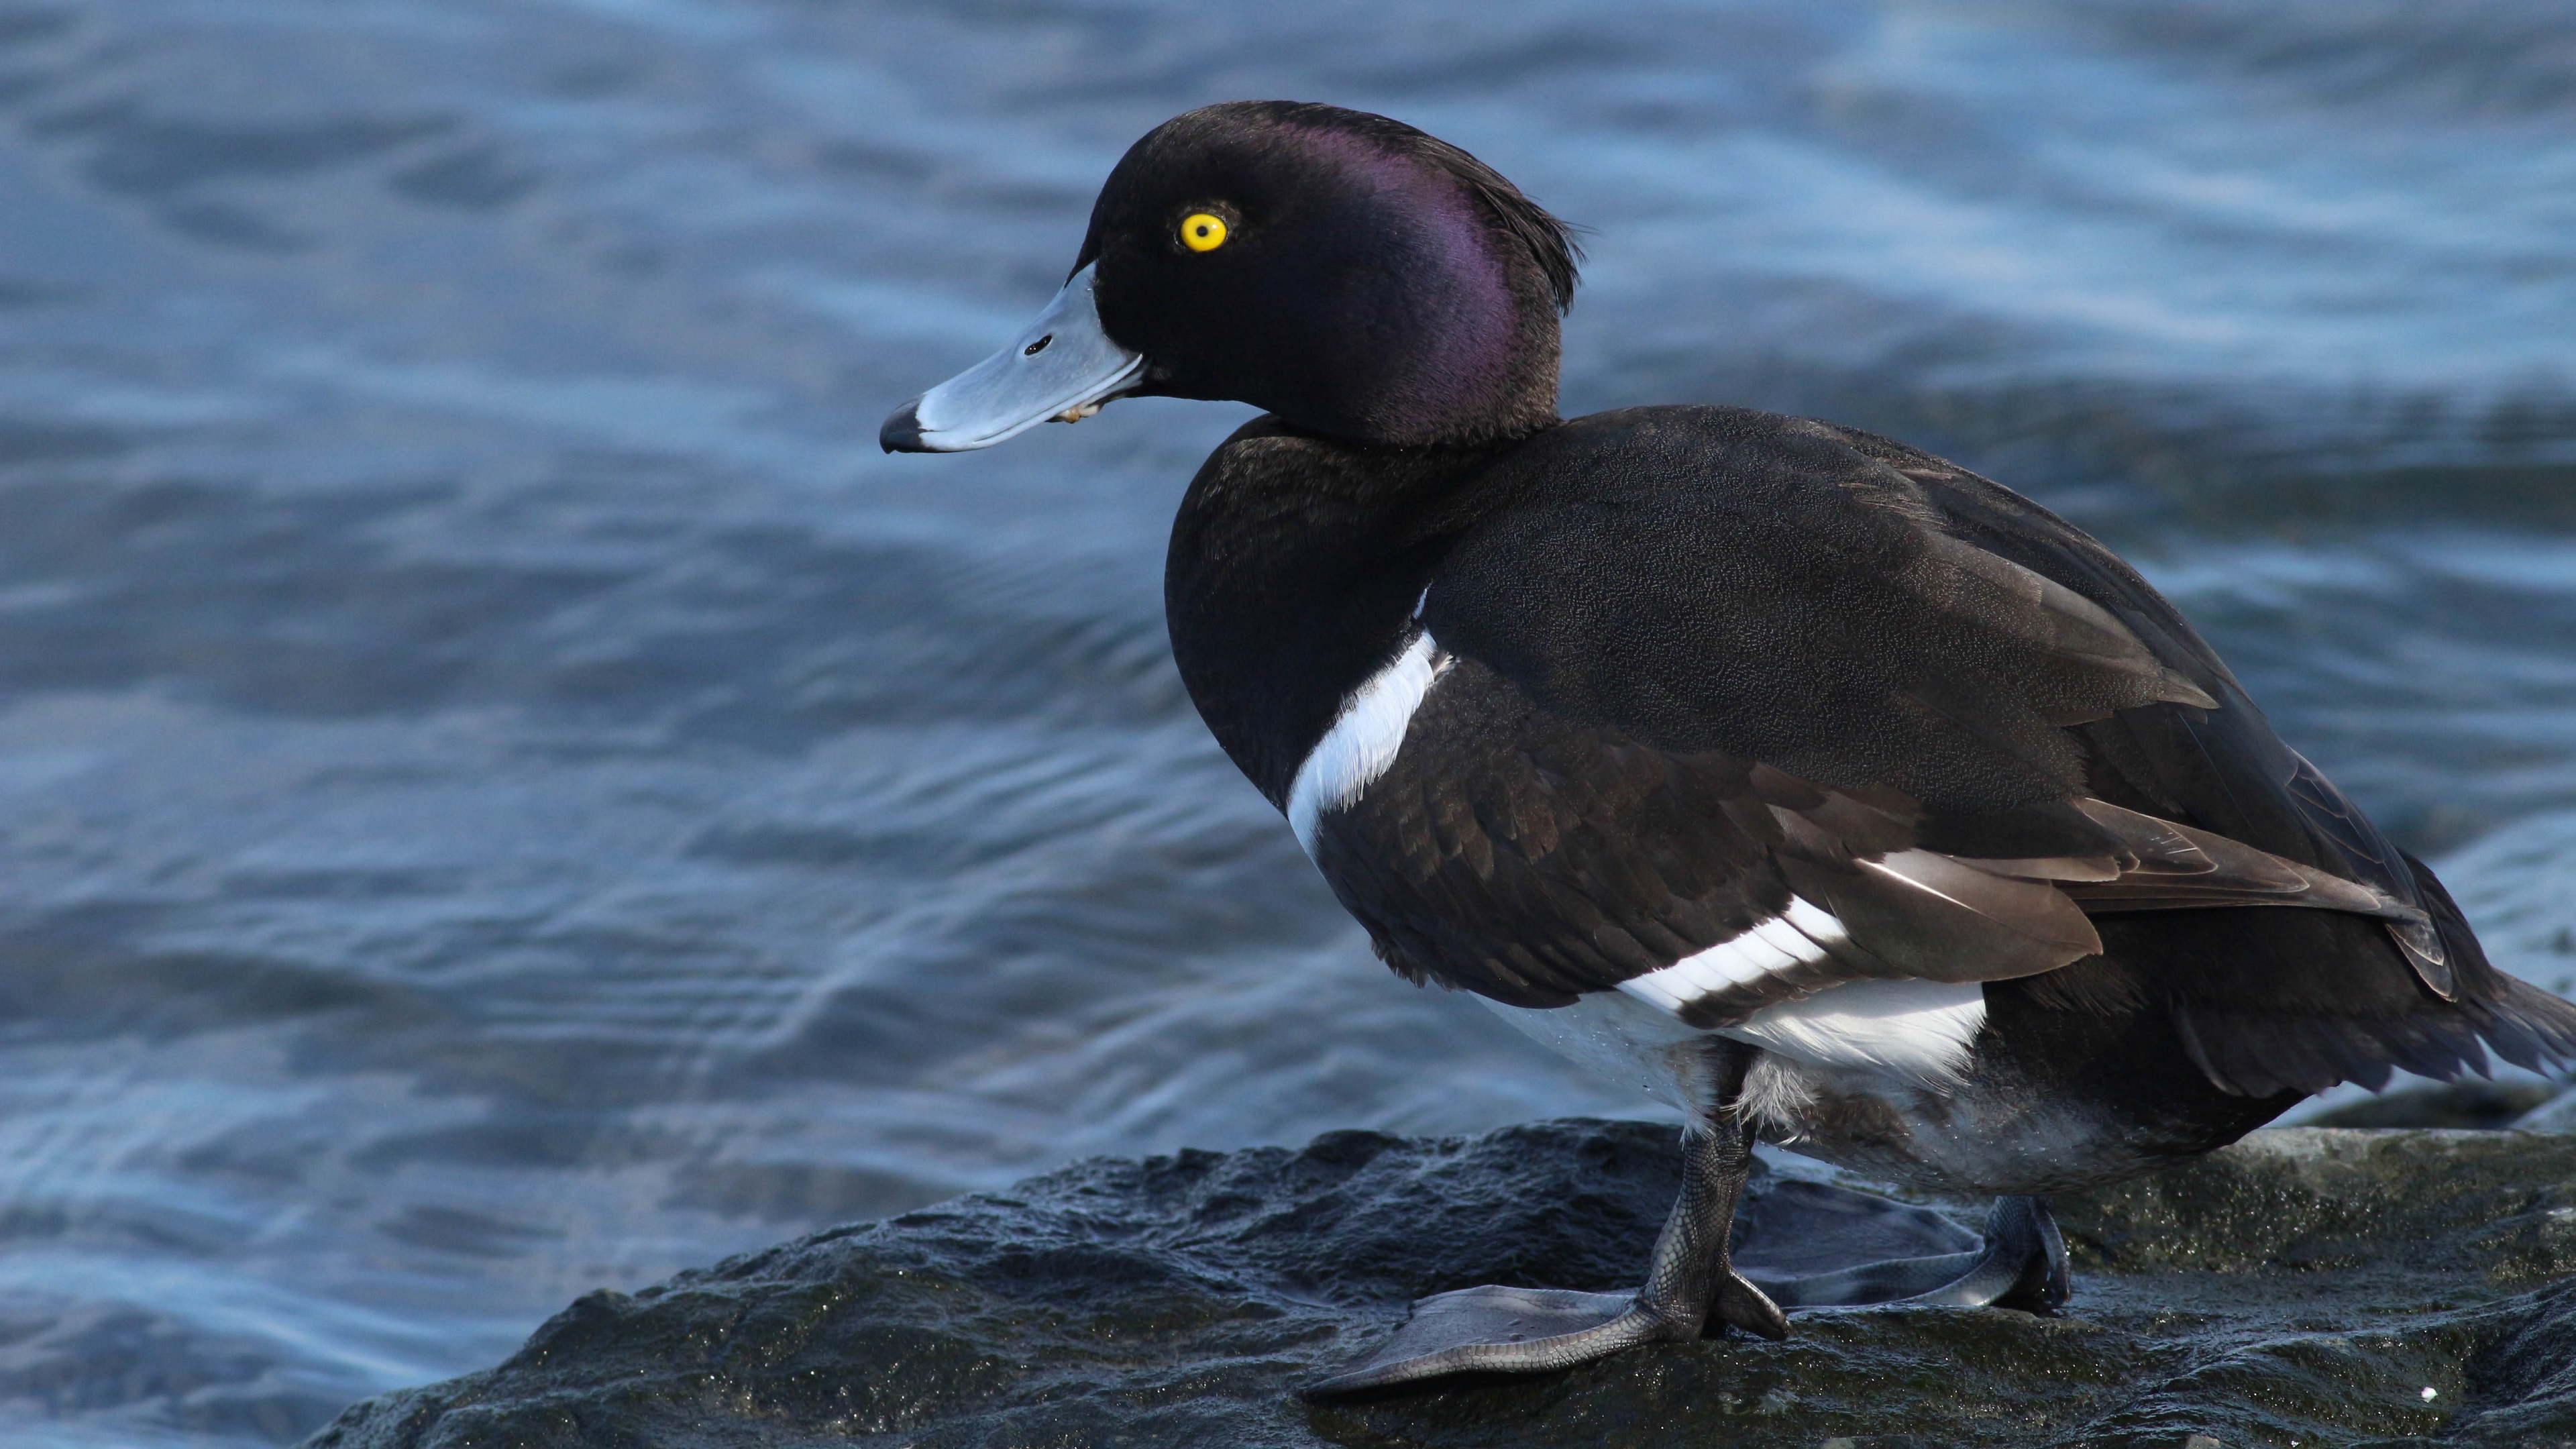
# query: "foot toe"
[[2044, 1285], [1741, 1305], [1499, 1330], [2021, 1264]]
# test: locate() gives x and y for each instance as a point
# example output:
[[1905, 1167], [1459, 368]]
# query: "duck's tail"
[[2363, 1025], [2529, 1027]]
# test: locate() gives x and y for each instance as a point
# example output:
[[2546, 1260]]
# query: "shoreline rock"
[[2307, 1284]]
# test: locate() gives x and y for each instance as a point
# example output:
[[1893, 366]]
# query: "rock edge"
[[2307, 1284]]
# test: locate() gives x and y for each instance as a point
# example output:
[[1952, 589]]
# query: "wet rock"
[[2309, 1284]]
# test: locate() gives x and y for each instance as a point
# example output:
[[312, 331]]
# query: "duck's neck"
[[1296, 565], [1459, 388]]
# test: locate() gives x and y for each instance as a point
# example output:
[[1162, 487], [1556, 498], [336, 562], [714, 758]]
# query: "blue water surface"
[[503, 791]]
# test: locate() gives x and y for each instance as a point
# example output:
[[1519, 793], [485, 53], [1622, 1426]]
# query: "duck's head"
[[1347, 272]]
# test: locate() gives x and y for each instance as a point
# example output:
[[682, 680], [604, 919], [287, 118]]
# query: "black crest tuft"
[[1548, 239]]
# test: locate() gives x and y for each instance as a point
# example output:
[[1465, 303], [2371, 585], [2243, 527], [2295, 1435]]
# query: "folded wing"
[[1894, 722]]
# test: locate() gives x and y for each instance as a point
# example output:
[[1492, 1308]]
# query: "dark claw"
[[2044, 1286], [1742, 1305]]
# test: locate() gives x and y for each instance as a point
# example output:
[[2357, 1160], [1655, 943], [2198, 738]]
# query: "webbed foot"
[[1689, 1284], [1536, 1330], [1506, 1330], [1693, 1285], [2021, 1264]]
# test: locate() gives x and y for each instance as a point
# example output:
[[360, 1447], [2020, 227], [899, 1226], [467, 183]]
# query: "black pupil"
[[1034, 348]]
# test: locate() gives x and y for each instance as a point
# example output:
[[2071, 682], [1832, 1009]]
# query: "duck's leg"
[[2021, 1264], [1533, 1330]]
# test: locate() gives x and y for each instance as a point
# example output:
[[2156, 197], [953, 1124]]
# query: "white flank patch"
[[1798, 936], [1919, 1030], [1916, 1032], [1364, 738]]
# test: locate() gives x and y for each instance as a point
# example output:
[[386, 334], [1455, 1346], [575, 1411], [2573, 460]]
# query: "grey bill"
[[1062, 365]]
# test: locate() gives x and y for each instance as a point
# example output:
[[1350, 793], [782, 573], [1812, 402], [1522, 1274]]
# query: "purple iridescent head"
[[1374, 283], [1347, 272]]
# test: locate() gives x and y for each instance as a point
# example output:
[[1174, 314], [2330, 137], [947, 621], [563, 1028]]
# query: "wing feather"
[[1903, 725]]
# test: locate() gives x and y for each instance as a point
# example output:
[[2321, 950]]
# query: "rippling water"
[[507, 792]]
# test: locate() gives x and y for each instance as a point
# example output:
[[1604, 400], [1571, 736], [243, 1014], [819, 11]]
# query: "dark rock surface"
[[2307, 1286]]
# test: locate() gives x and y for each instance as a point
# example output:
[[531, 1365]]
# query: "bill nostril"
[[1034, 348]]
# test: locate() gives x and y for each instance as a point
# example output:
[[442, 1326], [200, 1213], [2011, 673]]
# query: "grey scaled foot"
[[1506, 1330], [1535, 1330], [2020, 1264]]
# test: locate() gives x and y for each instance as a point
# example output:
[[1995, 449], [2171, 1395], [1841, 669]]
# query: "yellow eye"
[[1201, 232]]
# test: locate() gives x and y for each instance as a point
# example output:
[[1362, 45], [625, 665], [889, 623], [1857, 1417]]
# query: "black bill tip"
[[902, 430]]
